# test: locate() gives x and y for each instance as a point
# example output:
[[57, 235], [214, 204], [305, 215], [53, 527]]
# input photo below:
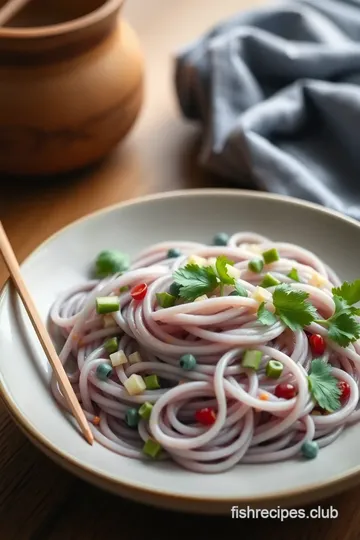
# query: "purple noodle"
[[247, 429]]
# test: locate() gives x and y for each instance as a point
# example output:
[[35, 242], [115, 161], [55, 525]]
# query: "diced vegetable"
[[145, 410], [135, 357], [151, 448], [135, 385], [274, 369], [152, 382], [269, 281], [111, 345], [256, 265], [107, 304], [165, 299], [270, 256], [118, 358], [252, 359]]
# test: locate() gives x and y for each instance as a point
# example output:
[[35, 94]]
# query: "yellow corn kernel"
[[117, 358], [108, 321], [264, 397], [200, 298], [233, 272], [135, 385], [195, 259], [317, 280], [261, 295]]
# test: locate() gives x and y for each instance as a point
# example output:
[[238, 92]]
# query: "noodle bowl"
[[251, 422]]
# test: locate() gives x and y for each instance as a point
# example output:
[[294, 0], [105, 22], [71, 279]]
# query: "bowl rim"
[[100, 13], [306, 494]]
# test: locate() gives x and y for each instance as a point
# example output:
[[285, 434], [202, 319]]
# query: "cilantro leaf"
[[293, 274], [265, 316], [342, 326], [240, 289], [350, 292], [323, 386], [195, 281], [292, 307], [222, 271], [343, 329], [341, 306]]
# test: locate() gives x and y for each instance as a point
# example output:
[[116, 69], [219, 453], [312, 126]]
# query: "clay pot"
[[71, 75]]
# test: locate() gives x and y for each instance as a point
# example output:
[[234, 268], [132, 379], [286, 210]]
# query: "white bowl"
[[65, 259]]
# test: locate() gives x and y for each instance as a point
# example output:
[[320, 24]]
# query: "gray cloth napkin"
[[277, 91]]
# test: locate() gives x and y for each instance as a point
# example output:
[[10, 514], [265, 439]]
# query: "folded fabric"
[[277, 91]]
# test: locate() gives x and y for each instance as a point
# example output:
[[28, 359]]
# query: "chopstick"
[[42, 334], [9, 10]]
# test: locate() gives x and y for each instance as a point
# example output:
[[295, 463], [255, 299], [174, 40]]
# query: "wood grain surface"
[[38, 500]]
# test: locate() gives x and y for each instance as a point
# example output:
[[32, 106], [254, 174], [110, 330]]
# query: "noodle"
[[251, 423]]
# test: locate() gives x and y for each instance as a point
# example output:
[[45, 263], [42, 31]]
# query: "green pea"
[[173, 253], [103, 371], [310, 449], [188, 362], [132, 417], [221, 239]]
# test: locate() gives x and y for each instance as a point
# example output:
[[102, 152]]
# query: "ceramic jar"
[[71, 87]]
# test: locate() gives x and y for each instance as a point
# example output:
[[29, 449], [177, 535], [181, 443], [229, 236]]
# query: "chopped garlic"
[[200, 298], [233, 272], [134, 358], [261, 295], [118, 358], [317, 280], [108, 320], [195, 259], [135, 385]]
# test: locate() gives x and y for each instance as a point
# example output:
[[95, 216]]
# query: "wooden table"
[[38, 500]]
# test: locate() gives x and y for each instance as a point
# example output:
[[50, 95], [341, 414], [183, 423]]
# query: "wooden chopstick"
[[44, 338], [10, 9]]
